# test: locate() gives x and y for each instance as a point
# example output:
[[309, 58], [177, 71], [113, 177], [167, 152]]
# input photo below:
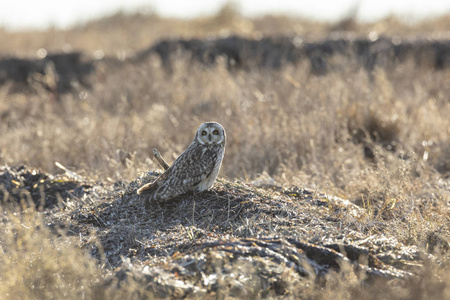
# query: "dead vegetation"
[[240, 239], [376, 137]]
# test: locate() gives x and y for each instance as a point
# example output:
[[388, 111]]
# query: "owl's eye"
[[204, 132], [215, 132]]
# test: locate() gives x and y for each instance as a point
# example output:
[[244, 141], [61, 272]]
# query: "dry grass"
[[379, 139], [36, 264]]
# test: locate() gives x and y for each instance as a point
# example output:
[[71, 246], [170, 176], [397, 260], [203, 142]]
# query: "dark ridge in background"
[[59, 72]]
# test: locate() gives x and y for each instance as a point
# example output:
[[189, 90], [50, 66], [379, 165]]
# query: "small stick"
[[159, 158], [69, 173]]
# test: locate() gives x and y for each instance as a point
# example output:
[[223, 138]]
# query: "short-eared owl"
[[195, 169]]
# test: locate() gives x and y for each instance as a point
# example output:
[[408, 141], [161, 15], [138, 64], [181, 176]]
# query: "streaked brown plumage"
[[195, 169]]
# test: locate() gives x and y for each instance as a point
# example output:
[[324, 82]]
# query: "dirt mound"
[[252, 266], [25, 185], [237, 239]]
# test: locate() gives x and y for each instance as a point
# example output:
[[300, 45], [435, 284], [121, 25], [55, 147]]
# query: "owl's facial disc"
[[210, 133]]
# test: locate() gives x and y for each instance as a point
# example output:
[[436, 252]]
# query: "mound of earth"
[[28, 186], [237, 240]]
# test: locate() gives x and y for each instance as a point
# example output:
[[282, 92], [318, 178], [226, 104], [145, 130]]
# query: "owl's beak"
[[210, 138]]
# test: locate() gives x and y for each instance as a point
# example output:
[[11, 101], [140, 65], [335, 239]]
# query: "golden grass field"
[[285, 127]]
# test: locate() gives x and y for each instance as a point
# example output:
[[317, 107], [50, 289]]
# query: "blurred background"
[[338, 95], [29, 14]]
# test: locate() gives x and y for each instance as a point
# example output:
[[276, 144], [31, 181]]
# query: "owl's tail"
[[149, 188]]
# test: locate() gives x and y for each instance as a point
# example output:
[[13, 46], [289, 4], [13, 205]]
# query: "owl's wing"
[[188, 170]]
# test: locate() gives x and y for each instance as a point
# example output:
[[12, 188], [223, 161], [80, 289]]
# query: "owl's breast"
[[208, 182]]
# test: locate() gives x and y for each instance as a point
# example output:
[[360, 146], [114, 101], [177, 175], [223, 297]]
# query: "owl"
[[195, 170]]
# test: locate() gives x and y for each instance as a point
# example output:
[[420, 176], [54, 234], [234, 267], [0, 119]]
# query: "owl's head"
[[210, 133]]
